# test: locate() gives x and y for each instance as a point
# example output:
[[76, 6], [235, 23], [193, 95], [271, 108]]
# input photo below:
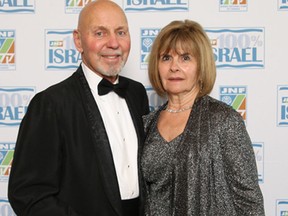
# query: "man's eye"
[[122, 33], [99, 33]]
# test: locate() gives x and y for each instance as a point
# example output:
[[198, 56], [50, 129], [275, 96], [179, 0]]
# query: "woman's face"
[[178, 72]]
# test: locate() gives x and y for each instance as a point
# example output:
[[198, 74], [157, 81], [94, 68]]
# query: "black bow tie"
[[105, 86]]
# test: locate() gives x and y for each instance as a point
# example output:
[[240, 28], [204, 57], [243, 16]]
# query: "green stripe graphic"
[[8, 158], [238, 101], [6, 45]]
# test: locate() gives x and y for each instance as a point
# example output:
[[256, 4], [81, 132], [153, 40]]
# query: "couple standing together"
[[88, 146]]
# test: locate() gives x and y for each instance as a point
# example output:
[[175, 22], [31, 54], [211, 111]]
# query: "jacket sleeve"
[[35, 173], [240, 167]]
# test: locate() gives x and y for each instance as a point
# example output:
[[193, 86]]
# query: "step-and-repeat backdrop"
[[250, 43]]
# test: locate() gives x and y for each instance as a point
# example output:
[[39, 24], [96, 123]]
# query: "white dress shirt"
[[121, 134]]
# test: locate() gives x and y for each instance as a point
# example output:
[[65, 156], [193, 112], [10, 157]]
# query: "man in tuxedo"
[[79, 143]]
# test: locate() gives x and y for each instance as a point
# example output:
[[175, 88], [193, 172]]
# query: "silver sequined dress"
[[208, 170]]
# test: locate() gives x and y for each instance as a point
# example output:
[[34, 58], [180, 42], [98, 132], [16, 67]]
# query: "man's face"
[[103, 39]]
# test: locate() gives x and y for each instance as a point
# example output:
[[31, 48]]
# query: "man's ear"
[[77, 40]]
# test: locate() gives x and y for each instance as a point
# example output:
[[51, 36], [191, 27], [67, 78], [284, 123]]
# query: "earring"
[[200, 86]]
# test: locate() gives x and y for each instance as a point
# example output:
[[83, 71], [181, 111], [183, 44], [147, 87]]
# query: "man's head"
[[102, 37]]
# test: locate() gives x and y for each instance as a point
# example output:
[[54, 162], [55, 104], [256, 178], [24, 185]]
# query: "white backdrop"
[[249, 40]]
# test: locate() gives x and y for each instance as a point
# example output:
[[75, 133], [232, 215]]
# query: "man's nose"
[[113, 41]]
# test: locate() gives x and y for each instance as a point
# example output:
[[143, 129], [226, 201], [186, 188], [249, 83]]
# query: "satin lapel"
[[102, 146]]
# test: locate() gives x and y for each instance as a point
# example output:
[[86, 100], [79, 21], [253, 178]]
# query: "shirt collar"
[[92, 78]]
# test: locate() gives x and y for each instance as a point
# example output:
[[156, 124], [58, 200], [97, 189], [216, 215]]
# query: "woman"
[[198, 159]]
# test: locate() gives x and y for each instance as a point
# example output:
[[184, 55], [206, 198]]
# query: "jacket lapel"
[[102, 146]]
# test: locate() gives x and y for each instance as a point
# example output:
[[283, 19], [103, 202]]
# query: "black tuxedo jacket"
[[63, 163]]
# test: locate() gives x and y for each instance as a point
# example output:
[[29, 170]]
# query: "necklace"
[[178, 111]]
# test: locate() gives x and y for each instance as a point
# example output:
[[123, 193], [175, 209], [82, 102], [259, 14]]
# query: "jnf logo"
[[7, 50], [238, 48], [235, 97], [233, 2], [233, 5], [283, 4], [5, 208], [147, 39], [60, 50], [75, 6], [259, 156], [282, 208], [282, 113], [155, 101], [155, 5], [13, 104], [6, 157], [17, 6]]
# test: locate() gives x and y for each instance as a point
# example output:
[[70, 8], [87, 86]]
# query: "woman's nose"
[[174, 67]]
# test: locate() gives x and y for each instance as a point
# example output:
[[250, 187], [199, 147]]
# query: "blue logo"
[[282, 208], [235, 96], [282, 4], [75, 6], [238, 47], [282, 111], [259, 156], [17, 6], [155, 5], [5, 208], [147, 38], [61, 52], [13, 104], [155, 101]]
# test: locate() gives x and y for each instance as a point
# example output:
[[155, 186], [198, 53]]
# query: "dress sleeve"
[[240, 167], [35, 174]]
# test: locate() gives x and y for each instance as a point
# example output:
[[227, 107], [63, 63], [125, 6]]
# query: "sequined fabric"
[[210, 170]]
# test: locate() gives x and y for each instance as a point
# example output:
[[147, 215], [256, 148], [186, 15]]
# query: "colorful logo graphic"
[[235, 96], [233, 5], [75, 6], [60, 50], [13, 104], [5, 208], [6, 157], [155, 101], [282, 207], [17, 6], [282, 111], [155, 5], [147, 39], [259, 155], [7, 50], [282, 4], [238, 47]]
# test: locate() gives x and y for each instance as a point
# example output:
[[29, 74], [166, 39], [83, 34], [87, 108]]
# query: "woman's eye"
[[165, 57], [186, 57]]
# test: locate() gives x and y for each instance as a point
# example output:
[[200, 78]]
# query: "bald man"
[[79, 143]]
